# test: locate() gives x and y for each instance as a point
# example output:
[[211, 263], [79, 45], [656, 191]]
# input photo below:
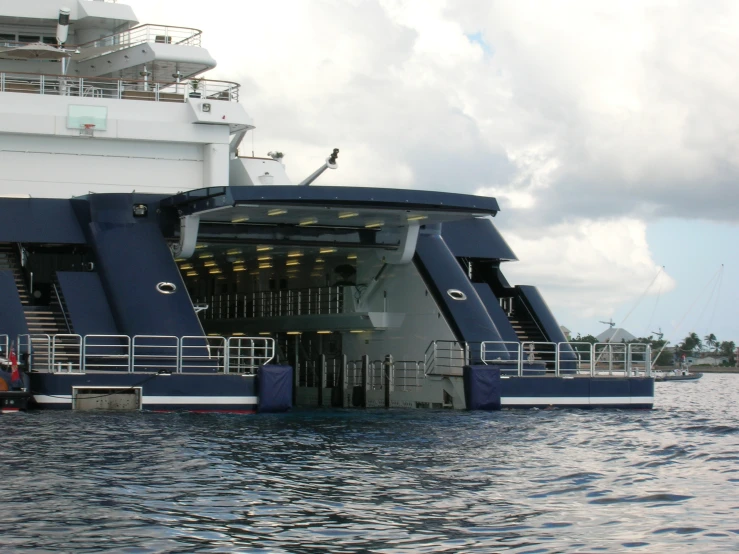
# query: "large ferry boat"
[[146, 264]]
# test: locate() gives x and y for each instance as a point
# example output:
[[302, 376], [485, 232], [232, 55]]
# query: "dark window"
[[29, 38], [7, 36], [49, 40]]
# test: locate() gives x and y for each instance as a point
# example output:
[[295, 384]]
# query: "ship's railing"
[[288, 302], [142, 34], [446, 356], [4, 345], [71, 353], [404, 375], [570, 358], [120, 89]]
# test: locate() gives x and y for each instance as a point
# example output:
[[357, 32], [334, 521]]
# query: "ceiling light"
[[205, 255], [214, 271], [276, 211], [209, 264], [294, 254], [356, 331], [239, 261], [192, 273], [186, 266], [237, 334], [351, 257], [416, 217], [324, 332], [265, 266], [264, 258], [239, 268], [320, 260], [374, 224], [263, 248], [327, 250], [254, 273], [199, 246], [292, 262], [347, 215], [308, 221], [233, 252], [240, 219], [265, 334], [294, 333]]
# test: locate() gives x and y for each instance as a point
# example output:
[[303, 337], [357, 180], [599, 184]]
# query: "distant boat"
[[677, 375]]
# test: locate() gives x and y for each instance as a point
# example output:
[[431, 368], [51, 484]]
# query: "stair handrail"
[[61, 307]]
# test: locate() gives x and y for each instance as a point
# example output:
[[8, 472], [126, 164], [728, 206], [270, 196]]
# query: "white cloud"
[[585, 118]]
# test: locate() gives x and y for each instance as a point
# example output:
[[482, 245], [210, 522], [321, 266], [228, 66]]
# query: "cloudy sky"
[[608, 131]]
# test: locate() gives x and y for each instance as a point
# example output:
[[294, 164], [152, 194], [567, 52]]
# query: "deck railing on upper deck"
[[121, 89], [141, 34]]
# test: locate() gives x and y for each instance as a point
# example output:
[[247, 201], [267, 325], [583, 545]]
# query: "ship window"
[[49, 40], [7, 37], [28, 38], [166, 288], [456, 294]]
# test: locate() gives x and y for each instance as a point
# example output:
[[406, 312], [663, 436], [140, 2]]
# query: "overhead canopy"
[[35, 51]]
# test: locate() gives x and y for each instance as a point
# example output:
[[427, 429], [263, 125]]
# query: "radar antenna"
[[659, 334], [610, 323]]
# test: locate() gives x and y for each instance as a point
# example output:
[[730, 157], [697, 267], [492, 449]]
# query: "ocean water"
[[530, 481]]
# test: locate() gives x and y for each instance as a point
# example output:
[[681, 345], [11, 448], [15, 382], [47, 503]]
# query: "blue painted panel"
[[39, 220], [179, 384], [642, 386], [468, 319], [12, 318], [546, 387], [202, 199], [87, 304], [133, 257], [605, 386], [487, 243], [481, 387], [275, 388]]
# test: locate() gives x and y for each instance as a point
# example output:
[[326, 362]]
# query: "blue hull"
[[232, 393], [577, 392]]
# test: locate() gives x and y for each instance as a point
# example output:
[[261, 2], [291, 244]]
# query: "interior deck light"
[[374, 225], [192, 273], [320, 260], [241, 219], [233, 252], [294, 254], [239, 268], [308, 221], [294, 332], [347, 215], [186, 266], [214, 271], [351, 257], [200, 246], [264, 248], [209, 264], [292, 262], [356, 331], [416, 217], [327, 250], [264, 258], [276, 211], [324, 332], [265, 266], [205, 255]]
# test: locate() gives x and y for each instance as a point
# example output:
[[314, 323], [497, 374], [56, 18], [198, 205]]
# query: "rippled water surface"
[[380, 481]]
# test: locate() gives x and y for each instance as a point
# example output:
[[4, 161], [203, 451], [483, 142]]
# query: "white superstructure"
[[119, 106]]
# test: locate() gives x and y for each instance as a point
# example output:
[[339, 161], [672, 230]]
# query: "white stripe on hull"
[[574, 400], [171, 400]]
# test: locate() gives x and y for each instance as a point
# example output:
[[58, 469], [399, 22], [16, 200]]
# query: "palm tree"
[[711, 340]]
